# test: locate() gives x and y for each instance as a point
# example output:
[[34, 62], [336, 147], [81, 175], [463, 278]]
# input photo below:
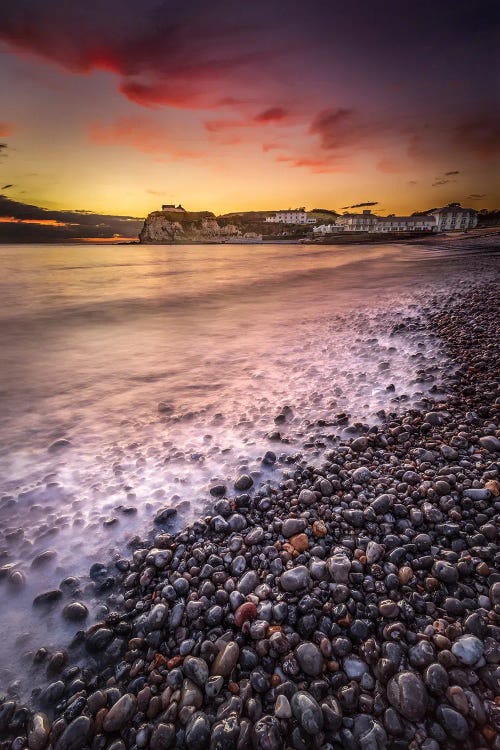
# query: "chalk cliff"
[[168, 227]]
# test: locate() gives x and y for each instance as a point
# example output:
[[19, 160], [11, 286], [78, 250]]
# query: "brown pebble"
[[319, 529], [482, 569], [405, 574], [175, 661], [246, 611], [493, 486], [300, 542]]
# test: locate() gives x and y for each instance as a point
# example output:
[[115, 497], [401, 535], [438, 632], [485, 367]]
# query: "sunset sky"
[[114, 107]]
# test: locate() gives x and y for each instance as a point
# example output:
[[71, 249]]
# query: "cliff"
[[169, 227]]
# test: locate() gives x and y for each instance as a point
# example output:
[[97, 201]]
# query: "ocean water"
[[93, 339]]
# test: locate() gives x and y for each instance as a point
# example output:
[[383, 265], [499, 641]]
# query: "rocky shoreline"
[[357, 605]]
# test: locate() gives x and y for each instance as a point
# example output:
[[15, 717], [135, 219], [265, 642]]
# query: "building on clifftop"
[[171, 207]]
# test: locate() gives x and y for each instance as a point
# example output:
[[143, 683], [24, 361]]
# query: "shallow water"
[[94, 338]]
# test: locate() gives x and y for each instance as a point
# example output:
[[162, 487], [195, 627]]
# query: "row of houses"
[[450, 218], [292, 216]]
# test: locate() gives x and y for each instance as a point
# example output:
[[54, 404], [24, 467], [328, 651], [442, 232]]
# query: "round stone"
[[196, 670], [198, 731], [468, 649], [307, 712], [75, 612], [245, 612], [244, 482], [295, 579], [226, 660], [452, 721], [120, 713], [310, 659], [407, 693]]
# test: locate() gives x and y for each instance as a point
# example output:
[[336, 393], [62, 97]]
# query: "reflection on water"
[[94, 338]]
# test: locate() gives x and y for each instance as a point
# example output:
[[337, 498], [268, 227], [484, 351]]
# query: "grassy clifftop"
[[183, 217]]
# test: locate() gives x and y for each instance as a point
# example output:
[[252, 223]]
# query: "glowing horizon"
[[118, 109]]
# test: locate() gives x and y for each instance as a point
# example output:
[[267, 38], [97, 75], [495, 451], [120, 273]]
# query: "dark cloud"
[[361, 205], [6, 187], [445, 178], [201, 54], [476, 196], [22, 222]]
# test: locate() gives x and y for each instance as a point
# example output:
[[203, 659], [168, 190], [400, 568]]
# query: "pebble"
[[407, 694], [295, 579], [468, 649], [351, 601], [75, 735], [120, 713], [226, 660], [307, 712], [310, 659], [75, 612], [244, 482]]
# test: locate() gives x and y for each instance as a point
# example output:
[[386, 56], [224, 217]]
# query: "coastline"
[[324, 600], [349, 238]]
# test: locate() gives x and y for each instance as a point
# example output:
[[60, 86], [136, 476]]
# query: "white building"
[[420, 223], [368, 222], [322, 229], [364, 222], [292, 216], [454, 217]]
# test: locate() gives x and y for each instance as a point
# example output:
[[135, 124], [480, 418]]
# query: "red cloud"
[[139, 134], [188, 56], [337, 128], [273, 114], [6, 129], [479, 134], [317, 166], [267, 117]]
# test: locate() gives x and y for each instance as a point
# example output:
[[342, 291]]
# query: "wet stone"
[[75, 735], [244, 482], [407, 694], [120, 713], [75, 612], [468, 649], [310, 659], [307, 712], [295, 579], [452, 722], [226, 660]]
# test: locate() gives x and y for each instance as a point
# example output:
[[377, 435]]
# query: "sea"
[[136, 378]]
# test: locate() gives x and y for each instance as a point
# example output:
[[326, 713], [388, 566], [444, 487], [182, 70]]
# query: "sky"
[[110, 108]]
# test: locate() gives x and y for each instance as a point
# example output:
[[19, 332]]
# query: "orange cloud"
[[40, 222], [388, 166], [317, 166], [139, 134], [6, 129]]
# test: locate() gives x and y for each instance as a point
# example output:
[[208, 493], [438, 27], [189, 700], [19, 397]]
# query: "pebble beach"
[[353, 602]]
